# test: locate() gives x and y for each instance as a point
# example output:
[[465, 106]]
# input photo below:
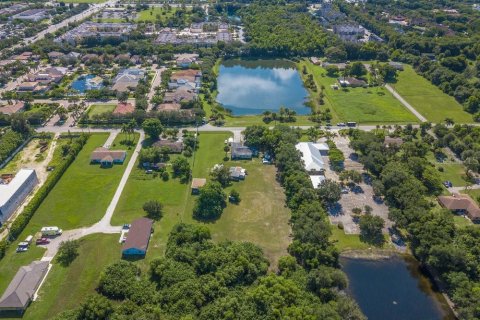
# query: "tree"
[[234, 196], [357, 69], [210, 203], [221, 174], [371, 229], [152, 127], [67, 252], [96, 307], [313, 134], [332, 70], [329, 192], [181, 168], [154, 209]]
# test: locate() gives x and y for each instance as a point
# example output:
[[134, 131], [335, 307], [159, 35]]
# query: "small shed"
[[198, 183]]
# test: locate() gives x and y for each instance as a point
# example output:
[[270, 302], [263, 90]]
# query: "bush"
[[153, 209], [67, 252], [234, 197], [165, 176]]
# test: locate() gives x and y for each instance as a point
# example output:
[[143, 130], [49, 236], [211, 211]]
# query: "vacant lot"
[[260, 217], [362, 105], [83, 193], [98, 109], [66, 287], [155, 13], [427, 99]]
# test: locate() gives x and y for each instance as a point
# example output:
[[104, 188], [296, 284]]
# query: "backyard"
[[427, 99], [362, 105]]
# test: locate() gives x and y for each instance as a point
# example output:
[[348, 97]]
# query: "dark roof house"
[[392, 142], [22, 288], [240, 151], [138, 237], [461, 203]]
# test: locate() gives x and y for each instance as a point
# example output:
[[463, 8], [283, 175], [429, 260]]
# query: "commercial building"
[[22, 288], [91, 29], [200, 34], [32, 15], [138, 238], [312, 158], [13, 190]]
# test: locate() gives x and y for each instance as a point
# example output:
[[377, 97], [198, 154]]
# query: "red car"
[[42, 241]]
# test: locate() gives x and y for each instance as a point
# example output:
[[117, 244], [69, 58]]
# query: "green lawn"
[[150, 15], [97, 109], [454, 172], [427, 99], [66, 287], [362, 105], [83, 193], [461, 221], [345, 242], [260, 217]]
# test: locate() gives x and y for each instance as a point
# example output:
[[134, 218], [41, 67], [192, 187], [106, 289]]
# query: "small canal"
[[249, 87], [394, 289]]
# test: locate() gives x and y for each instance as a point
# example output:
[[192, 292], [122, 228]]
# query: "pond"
[[87, 82], [394, 289], [253, 86]]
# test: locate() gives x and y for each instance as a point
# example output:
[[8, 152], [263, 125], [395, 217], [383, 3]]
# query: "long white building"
[[312, 157], [14, 192]]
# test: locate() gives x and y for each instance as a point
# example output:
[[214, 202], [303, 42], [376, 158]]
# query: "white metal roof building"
[[13, 193], [312, 155]]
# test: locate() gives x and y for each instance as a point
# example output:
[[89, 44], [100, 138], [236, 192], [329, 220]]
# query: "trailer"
[[51, 231]]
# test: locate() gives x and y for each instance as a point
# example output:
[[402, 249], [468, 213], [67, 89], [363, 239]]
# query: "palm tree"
[[125, 130], [313, 134], [449, 121]]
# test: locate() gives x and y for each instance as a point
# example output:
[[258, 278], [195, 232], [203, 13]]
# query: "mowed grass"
[[67, 287], [362, 105], [260, 217], [345, 242], [98, 109], [426, 98], [150, 15], [454, 172], [82, 195]]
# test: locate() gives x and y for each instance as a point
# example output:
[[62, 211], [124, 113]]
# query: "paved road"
[[51, 29], [102, 226], [406, 104]]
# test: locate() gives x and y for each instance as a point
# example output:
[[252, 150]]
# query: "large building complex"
[[201, 34], [14, 190], [98, 30]]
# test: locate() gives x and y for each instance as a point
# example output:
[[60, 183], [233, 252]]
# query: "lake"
[[253, 86], [394, 289]]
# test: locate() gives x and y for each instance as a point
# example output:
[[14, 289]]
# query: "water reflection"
[[251, 87]]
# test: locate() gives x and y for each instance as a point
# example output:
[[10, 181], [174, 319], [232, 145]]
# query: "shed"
[[138, 238], [197, 183]]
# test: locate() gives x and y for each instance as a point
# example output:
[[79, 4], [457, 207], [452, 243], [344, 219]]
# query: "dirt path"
[[406, 104]]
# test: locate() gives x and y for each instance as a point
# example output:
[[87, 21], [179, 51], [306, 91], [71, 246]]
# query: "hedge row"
[[22, 220]]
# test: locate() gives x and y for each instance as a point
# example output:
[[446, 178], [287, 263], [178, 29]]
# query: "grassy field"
[[427, 99], [454, 172], [150, 15], [362, 105], [97, 109], [83, 193], [66, 287], [260, 217], [345, 242]]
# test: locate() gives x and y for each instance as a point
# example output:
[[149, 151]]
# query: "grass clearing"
[[83, 193], [345, 242], [461, 222], [66, 287], [98, 109], [454, 172], [150, 15], [362, 105], [426, 98], [260, 217]]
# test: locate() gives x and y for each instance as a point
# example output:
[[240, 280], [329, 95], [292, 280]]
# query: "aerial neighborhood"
[[239, 159]]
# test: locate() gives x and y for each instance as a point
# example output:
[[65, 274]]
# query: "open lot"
[[260, 217], [151, 14], [362, 105], [98, 109], [427, 99]]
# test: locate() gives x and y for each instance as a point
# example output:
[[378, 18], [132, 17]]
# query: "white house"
[[312, 156], [13, 192]]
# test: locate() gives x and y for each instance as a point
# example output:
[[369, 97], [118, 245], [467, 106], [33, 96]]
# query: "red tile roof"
[[124, 108]]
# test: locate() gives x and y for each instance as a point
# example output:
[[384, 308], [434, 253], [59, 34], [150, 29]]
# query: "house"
[[138, 238], [124, 108], [21, 290], [179, 95], [312, 156], [315, 60], [128, 79], [107, 157], [172, 145], [397, 65], [237, 173], [349, 32], [32, 15], [136, 59], [197, 183], [14, 190], [398, 20], [189, 79], [462, 204], [185, 60], [169, 106], [13, 108], [55, 55], [351, 82], [28, 86], [340, 66], [239, 151], [389, 142]]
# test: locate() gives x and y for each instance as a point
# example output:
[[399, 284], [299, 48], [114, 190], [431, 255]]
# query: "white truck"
[[51, 231]]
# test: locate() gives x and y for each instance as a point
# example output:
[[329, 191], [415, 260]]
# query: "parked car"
[[447, 184], [22, 246], [345, 190], [126, 226], [341, 124], [42, 241], [265, 161], [51, 231]]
